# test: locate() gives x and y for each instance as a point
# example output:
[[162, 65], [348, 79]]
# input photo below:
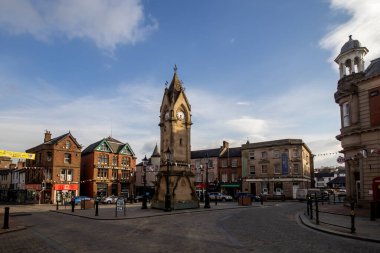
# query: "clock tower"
[[175, 180]]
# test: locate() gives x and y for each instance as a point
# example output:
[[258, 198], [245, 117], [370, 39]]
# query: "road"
[[272, 228]]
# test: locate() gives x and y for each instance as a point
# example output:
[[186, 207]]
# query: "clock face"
[[180, 115], [167, 116]]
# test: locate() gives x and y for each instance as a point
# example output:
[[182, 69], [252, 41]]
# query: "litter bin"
[[86, 204], [245, 200]]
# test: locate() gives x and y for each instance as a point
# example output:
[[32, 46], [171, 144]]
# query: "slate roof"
[[197, 154], [350, 44], [156, 153], [232, 152], [56, 140], [373, 69], [115, 145]]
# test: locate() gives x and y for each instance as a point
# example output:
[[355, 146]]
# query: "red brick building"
[[55, 172], [107, 168]]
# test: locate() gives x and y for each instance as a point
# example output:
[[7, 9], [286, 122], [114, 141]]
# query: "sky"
[[253, 70]]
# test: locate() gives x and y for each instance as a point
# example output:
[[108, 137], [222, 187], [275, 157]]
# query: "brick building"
[[55, 172], [107, 168]]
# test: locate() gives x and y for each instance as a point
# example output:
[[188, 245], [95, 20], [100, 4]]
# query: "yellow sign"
[[21, 155]]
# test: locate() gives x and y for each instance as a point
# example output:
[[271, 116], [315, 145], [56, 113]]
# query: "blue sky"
[[257, 70]]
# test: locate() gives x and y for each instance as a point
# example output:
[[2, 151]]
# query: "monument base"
[[181, 191]]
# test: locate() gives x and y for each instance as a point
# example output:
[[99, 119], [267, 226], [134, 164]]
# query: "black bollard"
[[6, 218], [96, 208], [308, 205], [72, 205], [57, 206], [373, 210], [311, 208], [352, 214], [316, 210]]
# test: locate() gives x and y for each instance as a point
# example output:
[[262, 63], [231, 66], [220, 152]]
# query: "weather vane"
[[175, 68]]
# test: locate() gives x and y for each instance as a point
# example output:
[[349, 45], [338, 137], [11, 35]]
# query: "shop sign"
[[69, 187]]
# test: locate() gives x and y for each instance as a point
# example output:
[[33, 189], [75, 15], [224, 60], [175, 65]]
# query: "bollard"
[[57, 206], [311, 208], [352, 214], [96, 208], [6, 218], [308, 205], [316, 210], [216, 200], [261, 199], [72, 205]]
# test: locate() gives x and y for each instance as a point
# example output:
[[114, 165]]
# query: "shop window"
[[277, 169]]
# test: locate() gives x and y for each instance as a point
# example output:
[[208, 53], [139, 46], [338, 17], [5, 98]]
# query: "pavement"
[[330, 222]]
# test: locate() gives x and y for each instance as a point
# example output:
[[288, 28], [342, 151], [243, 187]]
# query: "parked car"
[[219, 196], [78, 199], [253, 197], [109, 200]]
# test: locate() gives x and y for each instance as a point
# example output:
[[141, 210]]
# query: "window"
[[66, 175], [224, 163], [102, 173], [264, 155], [374, 107], [210, 164], [114, 174], [67, 158], [277, 169], [252, 155], [67, 144], [252, 170], [197, 164], [295, 152], [114, 160], [103, 159], [346, 114], [103, 147], [49, 156], [264, 169], [224, 177], [125, 161], [233, 177], [124, 174], [276, 154], [234, 163], [296, 168]]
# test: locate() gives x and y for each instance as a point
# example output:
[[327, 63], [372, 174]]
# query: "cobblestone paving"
[[261, 229]]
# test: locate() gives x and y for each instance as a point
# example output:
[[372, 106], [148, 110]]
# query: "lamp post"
[[207, 197], [167, 195], [145, 162]]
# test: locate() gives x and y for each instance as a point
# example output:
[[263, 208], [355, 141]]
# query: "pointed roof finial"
[[350, 37], [166, 84], [175, 68]]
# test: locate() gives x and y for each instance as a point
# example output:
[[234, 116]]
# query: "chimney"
[[225, 144], [47, 136]]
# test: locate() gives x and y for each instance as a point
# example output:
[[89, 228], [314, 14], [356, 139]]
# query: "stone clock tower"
[[175, 183]]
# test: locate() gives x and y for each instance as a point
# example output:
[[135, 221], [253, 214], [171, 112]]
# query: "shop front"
[[64, 192], [102, 189]]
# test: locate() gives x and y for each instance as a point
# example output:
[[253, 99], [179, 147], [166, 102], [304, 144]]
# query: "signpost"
[[120, 205]]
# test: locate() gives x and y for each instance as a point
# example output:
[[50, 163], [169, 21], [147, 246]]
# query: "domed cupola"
[[351, 57]]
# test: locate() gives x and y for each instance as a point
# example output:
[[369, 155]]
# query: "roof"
[[373, 69], [205, 152], [338, 180], [275, 143], [156, 153], [324, 174], [114, 146], [232, 152], [57, 139], [350, 44]]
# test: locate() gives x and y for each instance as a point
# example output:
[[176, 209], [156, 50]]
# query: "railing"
[[313, 208]]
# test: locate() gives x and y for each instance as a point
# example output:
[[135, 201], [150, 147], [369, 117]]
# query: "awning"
[[230, 185]]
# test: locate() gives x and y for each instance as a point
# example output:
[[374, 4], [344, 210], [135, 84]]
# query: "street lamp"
[[167, 195], [207, 197], [145, 162]]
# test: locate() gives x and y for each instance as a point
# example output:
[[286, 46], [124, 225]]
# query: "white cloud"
[[363, 25], [108, 23]]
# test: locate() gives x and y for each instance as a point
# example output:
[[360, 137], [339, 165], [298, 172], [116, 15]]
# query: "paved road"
[[259, 229]]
